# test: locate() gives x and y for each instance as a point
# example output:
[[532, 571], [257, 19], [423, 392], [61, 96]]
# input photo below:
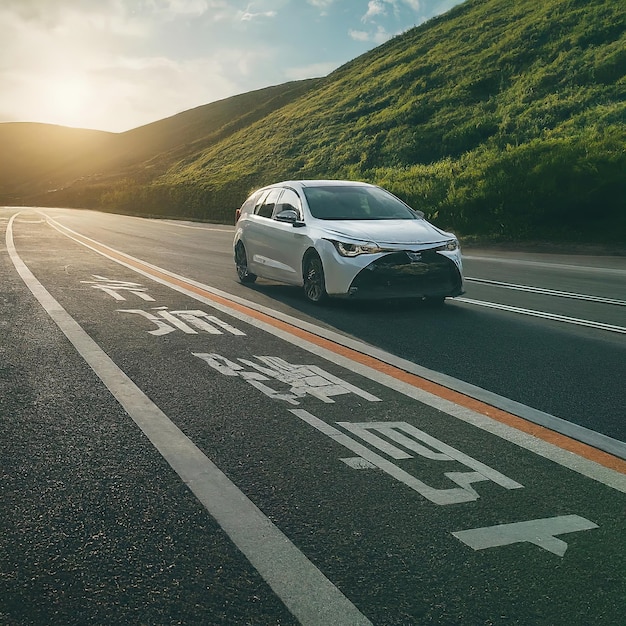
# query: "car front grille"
[[424, 274]]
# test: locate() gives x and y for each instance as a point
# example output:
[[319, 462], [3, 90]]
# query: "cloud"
[[177, 8], [117, 64], [375, 8], [380, 35], [413, 4], [96, 64], [310, 71], [359, 35], [246, 16], [381, 8], [323, 5], [384, 13]]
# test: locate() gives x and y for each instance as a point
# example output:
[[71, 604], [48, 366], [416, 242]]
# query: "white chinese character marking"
[[161, 327], [438, 451], [112, 287], [356, 462], [540, 532], [302, 380], [184, 320]]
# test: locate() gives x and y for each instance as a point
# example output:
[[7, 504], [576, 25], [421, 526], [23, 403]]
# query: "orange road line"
[[562, 441]]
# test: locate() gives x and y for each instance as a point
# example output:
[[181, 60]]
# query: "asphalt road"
[[181, 449], [568, 370]]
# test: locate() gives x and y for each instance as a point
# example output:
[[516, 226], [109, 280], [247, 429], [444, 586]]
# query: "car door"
[[258, 236], [286, 240]]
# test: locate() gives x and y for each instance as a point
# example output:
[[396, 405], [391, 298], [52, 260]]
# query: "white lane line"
[[544, 315], [227, 229], [547, 265], [547, 292], [540, 447], [306, 592]]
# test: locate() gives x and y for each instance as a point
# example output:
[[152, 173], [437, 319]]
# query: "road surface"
[[179, 448]]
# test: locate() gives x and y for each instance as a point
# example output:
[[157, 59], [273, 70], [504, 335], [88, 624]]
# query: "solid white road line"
[[546, 292], [229, 230], [547, 265], [545, 315], [306, 592]]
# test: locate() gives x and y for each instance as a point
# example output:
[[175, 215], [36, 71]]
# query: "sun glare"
[[68, 100]]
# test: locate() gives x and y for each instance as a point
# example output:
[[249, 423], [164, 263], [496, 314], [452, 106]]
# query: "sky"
[[118, 64]]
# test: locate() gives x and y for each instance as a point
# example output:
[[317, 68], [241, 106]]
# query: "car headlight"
[[355, 249], [449, 246]]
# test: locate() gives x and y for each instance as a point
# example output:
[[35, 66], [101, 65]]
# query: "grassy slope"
[[181, 136], [501, 118], [498, 116]]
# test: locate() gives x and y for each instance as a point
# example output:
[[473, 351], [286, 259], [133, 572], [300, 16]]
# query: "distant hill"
[[501, 118], [41, 157], [49, 164]]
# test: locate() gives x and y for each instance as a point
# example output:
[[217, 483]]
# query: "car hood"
[[388, 232]]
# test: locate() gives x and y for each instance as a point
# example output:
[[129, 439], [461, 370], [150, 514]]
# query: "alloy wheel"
[[241, 262], [314, 286]]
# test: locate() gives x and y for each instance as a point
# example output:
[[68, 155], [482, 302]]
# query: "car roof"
[[319, 183]]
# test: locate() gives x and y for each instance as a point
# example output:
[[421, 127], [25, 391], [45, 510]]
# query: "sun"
[[68, 99]]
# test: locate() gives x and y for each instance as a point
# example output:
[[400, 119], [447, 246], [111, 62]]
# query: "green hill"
[[501, 118]]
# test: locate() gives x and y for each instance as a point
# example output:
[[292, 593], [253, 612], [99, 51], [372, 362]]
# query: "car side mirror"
[[287, 215]]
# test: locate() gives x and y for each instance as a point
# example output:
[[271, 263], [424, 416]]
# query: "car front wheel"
[[241, 262], [314, 284]]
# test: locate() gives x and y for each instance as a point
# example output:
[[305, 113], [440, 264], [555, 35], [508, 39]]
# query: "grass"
[[502, 119]]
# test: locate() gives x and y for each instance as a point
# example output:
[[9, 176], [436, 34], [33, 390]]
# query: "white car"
[[347, 239]]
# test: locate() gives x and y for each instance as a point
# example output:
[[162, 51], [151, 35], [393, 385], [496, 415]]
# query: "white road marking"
[[306, 592], [195, 318], [301, 379], [546, 292], [414, 439], [111, 287], [456, 495], [545, 264], [227, 229], [540, 532], [550, 451], [358, 463], [544, 315]]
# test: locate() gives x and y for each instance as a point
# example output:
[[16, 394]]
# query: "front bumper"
[[424, 274]]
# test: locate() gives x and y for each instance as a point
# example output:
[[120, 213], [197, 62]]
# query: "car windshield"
[[356, 202]]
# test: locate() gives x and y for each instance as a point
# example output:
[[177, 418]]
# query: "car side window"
[[259, 201], [267, 208], [289, 200], [250, 203]]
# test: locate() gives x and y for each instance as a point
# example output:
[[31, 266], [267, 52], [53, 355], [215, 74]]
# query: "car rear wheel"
[[314, 284], [241, 262]]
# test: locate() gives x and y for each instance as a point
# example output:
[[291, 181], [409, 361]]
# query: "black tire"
[[241, 263], [313, 277]]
